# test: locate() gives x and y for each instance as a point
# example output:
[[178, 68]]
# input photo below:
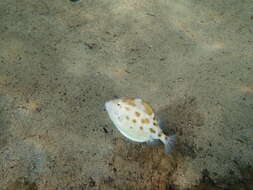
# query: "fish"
[[136, 120]]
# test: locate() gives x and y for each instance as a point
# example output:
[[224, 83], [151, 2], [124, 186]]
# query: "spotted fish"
[[136, 120]]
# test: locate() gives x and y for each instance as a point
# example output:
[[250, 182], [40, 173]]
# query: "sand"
[[60, 61]]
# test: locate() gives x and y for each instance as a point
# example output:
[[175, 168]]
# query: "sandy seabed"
[[61, 61]]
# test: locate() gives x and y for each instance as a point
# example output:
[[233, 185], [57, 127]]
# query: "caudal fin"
[[169, 142]]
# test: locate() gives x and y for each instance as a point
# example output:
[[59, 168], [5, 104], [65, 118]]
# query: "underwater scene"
[[126, 95]]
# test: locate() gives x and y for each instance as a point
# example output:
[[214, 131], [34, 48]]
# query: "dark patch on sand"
[[22, 184], [179, 119]]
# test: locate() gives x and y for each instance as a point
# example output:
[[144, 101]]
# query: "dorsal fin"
[[129, 101], [147, 108]]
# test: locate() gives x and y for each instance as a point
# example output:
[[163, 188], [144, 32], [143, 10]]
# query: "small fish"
[[136, 120]]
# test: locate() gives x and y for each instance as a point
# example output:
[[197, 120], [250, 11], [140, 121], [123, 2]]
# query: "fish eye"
[[118, 104]]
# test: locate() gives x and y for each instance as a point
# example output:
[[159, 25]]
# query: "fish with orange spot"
[[136, 120]]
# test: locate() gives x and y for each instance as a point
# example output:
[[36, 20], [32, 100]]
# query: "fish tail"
[[169, 143]]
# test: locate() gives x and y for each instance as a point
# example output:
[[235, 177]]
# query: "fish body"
[[137, 121]]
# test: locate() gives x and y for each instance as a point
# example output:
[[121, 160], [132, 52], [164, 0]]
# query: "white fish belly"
[[133, 134]]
